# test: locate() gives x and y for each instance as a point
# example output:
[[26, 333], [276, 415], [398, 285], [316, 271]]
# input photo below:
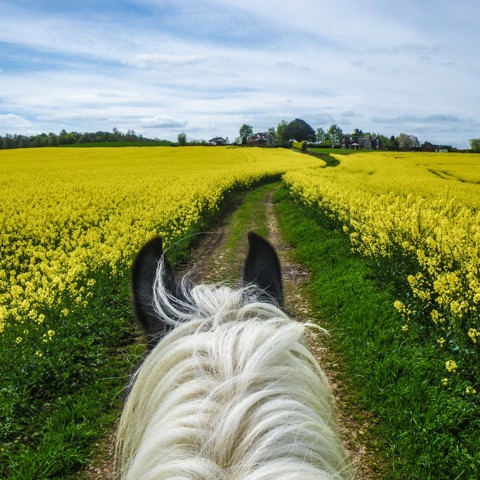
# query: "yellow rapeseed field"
[[419, 214], [65, 213]]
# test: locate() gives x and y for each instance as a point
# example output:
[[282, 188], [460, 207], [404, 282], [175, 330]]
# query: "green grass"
[[250, 215], [340, 151], [52, 416], [54, 409], [429, 433]]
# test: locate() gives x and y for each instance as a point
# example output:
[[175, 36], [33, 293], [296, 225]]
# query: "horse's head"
[[151, 270], [231, 390]]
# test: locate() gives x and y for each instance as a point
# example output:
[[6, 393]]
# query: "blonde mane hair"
[[231, 392]]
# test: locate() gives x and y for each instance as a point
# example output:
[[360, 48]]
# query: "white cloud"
[[151, 60], [159, 121], [14, 123]]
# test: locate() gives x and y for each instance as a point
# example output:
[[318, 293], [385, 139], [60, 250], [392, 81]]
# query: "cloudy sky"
[[205, 67]]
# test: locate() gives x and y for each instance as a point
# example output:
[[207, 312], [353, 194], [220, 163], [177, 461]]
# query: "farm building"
[[217, 141], [430, 147], [362, 143], [264, 139]]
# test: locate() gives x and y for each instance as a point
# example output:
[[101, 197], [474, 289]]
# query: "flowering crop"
[[66, 213], [419, 215], [71, 221]]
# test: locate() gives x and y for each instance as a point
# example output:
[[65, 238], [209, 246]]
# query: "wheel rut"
[[213, 260]]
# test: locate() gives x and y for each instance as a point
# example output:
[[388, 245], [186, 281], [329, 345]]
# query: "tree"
[[475, 145], [52, 140], [334, 134], [298, 130], [320, 135], [245, 132], [280, 137], [271, 137], [391, 144], [182, 139], [407, 142]]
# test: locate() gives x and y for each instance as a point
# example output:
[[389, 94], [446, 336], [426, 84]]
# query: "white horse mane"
[[231, 392]]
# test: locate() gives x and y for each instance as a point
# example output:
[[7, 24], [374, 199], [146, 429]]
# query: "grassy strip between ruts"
[[249, 214], [429, 434]]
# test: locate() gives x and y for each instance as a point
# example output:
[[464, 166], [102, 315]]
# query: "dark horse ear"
[[144, 271], [262, 268]]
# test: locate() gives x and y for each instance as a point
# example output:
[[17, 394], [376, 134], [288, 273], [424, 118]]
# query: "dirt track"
[[212, 263]]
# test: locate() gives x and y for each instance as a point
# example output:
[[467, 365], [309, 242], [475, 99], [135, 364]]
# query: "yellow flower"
[[405, 328], [473, 333], [441, 341], [400, 307], [444, 382], [470, 391], [451, 365], [435, 316]]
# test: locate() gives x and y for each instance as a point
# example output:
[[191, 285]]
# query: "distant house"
[[217, 141], [430, 147], [263, 139], [363, 143]]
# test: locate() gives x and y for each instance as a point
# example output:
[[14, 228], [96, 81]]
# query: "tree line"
[[297, 130], [332, 137], [75, 138]]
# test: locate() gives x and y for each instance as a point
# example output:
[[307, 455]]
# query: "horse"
[[228, 388]]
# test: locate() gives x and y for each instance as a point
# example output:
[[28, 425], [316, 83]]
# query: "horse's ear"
[[144, 271], [262, 268]]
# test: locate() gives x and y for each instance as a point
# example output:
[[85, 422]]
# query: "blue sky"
[[205, 67]]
